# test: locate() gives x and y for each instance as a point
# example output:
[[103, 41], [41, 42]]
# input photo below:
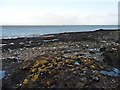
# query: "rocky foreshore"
[[84, 60]]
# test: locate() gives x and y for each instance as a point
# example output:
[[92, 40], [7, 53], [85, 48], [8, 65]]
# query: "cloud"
[[43, 12], [42, 18], [102, 16]]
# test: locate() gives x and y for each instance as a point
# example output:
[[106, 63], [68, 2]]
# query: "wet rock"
[[93, 50], [103, 41], [115, 72], [21, 43], [11, 43], [11, 59], [83, 79], [77, 63], [102, 49], [95, 78]]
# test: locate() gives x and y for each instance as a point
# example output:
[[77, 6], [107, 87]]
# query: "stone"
[[102, 49], [35, 77], [25, 81], [34, 70]]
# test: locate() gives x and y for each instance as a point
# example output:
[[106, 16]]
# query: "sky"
[[59, 12]]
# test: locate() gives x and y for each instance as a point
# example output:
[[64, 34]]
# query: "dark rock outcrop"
[[112, 56]]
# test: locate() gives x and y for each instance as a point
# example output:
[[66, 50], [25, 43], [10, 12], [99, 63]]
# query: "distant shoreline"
[[49, 38], [58, 25]]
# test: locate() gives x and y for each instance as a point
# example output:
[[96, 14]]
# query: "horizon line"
[[59, 25]]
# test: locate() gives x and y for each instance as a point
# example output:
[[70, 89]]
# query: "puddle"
[[2, 74], [113, 72], [116, 70]]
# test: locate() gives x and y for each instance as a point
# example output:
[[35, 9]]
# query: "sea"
[[8, 32]]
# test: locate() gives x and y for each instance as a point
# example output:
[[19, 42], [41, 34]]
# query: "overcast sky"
[[58, 12]]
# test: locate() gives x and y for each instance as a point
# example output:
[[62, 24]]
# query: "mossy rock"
[[26, 81], [34, 77], [39, 63], [93, 67], [34, 70]]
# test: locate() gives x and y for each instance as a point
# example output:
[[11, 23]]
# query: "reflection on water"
[[2, 74], [113, 72]]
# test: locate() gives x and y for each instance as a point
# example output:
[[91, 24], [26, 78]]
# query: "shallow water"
[[114, 72], [2, 74], [28, 31]]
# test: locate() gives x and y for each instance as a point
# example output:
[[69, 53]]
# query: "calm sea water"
[[28, 31]]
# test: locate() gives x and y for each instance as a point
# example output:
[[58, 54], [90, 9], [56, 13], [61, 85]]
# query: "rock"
[[92, 52], [80, 84], [11, 43], [35, 77], [49, 82], [14, 59], [103, 41], [96, 79], [34, 70], [93, 67], [25, 81], [25, 66], [112, 57], [39, 63], [77, 63], [87, 61], [21, 43], [102, 49], [83, 79]]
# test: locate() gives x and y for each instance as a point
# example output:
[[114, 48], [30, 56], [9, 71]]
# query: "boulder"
[[112, 57]]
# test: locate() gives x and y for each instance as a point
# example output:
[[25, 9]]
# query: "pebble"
[[11, 44]]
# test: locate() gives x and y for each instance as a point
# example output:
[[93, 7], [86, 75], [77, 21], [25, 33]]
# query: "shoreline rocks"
[[67, 60]]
